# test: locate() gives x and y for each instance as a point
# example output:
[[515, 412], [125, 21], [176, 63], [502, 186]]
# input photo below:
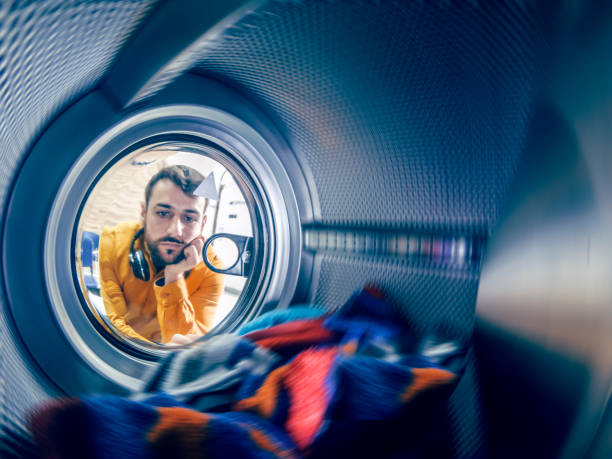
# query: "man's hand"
[[193, 257]]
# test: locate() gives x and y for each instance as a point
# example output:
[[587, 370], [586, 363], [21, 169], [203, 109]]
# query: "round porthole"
[[141, 217], [248, 215]]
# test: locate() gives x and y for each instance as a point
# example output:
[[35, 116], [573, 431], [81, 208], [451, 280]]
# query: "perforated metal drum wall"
[[402, 113], [407, 116], [51, 52]]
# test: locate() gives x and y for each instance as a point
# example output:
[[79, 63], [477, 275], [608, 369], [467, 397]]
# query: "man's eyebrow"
[[168, 206]]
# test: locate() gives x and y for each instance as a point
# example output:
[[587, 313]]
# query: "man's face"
[[171, 219]]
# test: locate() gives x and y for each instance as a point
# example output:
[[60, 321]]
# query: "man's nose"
[[176, 228]]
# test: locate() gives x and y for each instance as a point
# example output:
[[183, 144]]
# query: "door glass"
[[140, 239]]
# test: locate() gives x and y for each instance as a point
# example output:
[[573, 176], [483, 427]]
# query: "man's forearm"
[[175, 312], [126, 329]]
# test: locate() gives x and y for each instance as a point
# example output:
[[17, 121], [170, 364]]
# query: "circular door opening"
[[144, 205], [250, 198]]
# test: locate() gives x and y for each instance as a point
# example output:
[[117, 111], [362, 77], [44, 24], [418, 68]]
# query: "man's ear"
[[143, 212], [203, 223]]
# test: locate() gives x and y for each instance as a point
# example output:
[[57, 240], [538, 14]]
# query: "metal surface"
[[402, 114], [382, 118], [179, 31], [545, 296]]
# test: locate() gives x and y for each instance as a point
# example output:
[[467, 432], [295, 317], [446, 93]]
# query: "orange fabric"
[[264, 401], [146, 311], [180, 429], [350, 347], [426, 378], [264, 442]]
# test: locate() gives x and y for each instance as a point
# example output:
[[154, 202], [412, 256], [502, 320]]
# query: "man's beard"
[[158, 261]]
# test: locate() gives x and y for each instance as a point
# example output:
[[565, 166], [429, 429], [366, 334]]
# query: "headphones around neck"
[[138, 262]]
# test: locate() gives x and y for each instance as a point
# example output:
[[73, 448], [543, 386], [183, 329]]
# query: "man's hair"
[[186, 178]]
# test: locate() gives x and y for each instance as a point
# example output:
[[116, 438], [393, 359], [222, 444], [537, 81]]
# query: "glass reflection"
[[141, 238], [228, 250]]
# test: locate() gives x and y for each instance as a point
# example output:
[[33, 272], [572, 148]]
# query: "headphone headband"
[[139, 233], [138, 262]]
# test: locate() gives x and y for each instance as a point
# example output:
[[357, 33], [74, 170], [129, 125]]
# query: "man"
[[178, 301]]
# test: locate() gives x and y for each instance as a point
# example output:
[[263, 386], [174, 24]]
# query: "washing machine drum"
[[389, 143]]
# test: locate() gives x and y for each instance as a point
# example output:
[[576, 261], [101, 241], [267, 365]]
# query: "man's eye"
[[188, 219], [163, 213]]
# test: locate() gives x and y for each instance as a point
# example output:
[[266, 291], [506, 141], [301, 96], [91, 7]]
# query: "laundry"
[[279, 316], [298, 388], [208, 376]]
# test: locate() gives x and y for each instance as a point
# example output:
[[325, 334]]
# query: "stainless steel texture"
[[387, 118], [545, 284]]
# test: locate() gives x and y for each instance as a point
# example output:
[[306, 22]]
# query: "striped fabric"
[[302, 388]]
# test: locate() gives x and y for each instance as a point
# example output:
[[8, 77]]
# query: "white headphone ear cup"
[[139, 265]]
